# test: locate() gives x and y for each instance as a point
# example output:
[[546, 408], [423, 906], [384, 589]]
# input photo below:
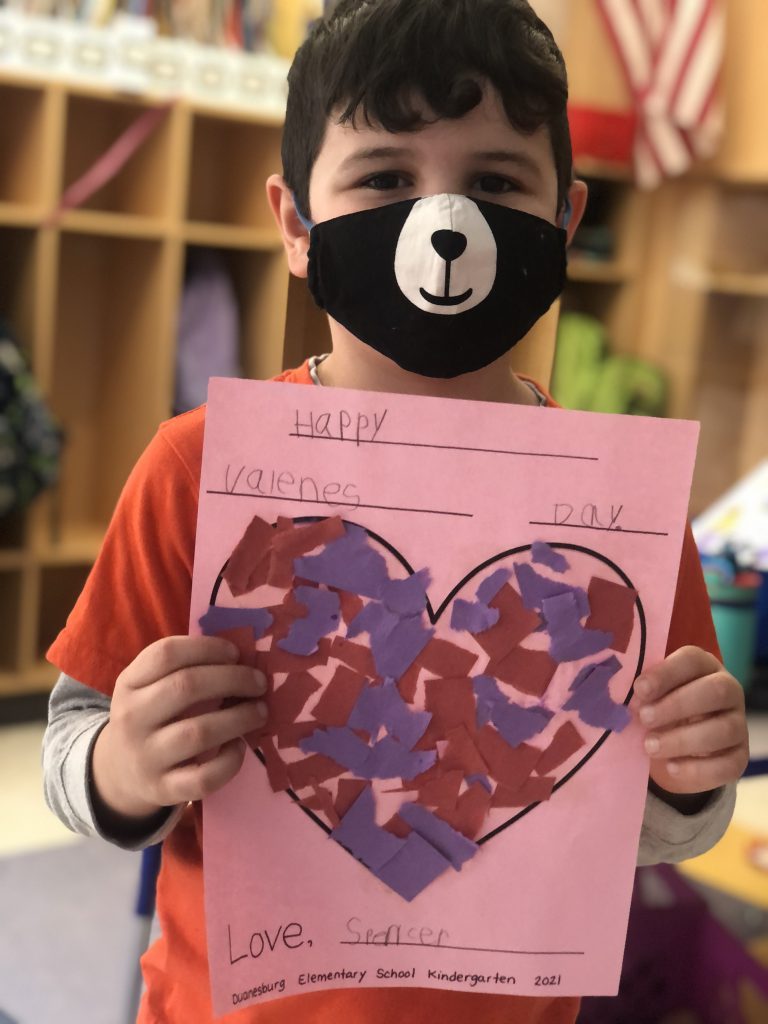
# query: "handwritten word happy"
[[340, 426]]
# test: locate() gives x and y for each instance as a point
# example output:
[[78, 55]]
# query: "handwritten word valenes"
[[277, 483], [358, 428]]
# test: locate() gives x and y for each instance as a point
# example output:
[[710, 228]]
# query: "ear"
[[577, 195], [295, 236]]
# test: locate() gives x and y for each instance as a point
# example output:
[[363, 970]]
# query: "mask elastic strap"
[[308, 224], [567, 214]]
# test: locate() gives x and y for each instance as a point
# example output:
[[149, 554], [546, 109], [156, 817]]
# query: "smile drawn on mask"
[[446, 255]]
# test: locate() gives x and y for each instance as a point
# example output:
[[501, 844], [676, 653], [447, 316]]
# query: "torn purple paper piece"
[[408, 596], [349, 563], [487, 692], [340, 744], [569, 640], [413, 868], [491, 585], [374, 619], [546, 555], [592, 700], [516, 724], [472, 616], [388, 759], [382, 706], [217, 619], [438, 833], [359, 833], [534, 588], [394, 655], [323, 618], [484, 781]]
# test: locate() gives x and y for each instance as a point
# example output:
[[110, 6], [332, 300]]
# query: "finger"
[[194, 781], [681, 667], [171, 654], [179, 693], [702, 774], [704, 696], [189, 738], [698, 739]]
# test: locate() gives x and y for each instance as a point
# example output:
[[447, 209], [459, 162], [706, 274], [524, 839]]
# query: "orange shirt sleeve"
[[139, 588]]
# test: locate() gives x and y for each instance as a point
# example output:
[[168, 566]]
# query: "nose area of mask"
[[446, 257]]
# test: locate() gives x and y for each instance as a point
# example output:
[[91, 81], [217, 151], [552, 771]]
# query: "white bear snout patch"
[[446, 256]]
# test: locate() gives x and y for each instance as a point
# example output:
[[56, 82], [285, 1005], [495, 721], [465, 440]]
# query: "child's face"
[[481, 156]]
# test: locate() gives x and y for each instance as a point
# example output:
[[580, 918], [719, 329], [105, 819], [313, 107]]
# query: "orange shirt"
[[139, 591]]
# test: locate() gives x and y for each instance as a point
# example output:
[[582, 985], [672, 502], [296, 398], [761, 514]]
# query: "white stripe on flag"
[[702, 73], [634, 48]]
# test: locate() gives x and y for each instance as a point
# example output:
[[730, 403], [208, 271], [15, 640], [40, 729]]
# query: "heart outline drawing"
[[434, 615]]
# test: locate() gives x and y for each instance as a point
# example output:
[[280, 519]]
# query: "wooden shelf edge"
[[77, 547], [36, 678], [229, 236], [723, 282], [116, 225], [582, 269], [21, 215]]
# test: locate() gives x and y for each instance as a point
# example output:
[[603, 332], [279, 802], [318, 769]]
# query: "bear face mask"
[[442, 286]]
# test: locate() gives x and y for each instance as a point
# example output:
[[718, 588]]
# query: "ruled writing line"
[[468, 949], [605, 529], [345, 504], [446, 447]]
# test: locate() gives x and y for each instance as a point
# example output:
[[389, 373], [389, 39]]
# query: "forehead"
[[484, 130]]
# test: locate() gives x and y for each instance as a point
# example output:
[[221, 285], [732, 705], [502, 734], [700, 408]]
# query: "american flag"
[[672, 54]]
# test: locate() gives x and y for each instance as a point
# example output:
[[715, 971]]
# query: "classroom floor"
[[36, 852]]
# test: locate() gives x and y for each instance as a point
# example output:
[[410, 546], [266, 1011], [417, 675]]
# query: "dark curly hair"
[[375, 56]]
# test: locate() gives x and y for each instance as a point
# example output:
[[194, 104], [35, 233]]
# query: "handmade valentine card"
[[451, 601]]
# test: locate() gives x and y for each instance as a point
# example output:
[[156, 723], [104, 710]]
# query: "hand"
[[697, 728], [173, 733]]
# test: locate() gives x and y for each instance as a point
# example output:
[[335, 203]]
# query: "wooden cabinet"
[[95, 299]]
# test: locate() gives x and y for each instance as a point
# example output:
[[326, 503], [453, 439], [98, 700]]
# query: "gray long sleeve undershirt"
[[78, 713]]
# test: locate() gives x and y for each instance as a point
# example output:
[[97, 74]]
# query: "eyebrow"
[[507, 156]]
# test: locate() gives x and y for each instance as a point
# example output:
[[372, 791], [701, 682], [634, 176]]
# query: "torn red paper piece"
[[356, 656], [284, 615], [347, 792], [300, 540], [322, 800], [408, 682], [398, 827], [351, 604], [510, 766], [242, 638], [339, 697], [442, 791], [315, 768], [445, 659], [248, 564], [470, 811], [565, 742], [451, 703], [516, 622], [528, 671], [287, 700], [282, 661], [462, 754], [277, 773], [532, 791], [612, 610]]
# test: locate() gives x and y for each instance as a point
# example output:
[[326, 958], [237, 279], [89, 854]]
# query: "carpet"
[[67, 934]]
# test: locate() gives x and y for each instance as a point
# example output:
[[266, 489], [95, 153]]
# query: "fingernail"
[[642, 687], [261, 681], [232, 652], [673, 768], [261, 710], [647, 715], [652, 745]]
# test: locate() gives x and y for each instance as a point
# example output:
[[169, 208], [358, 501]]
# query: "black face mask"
[[442, 286]]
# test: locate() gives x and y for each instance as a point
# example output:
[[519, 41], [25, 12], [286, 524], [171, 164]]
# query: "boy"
[[460, 103]]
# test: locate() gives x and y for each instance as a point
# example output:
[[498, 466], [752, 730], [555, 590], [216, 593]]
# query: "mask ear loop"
[[308, 224], [567, 214]]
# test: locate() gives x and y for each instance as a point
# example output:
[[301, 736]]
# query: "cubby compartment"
[[23, 145], [230, 163], [110, 371], [260, 287], [144, 186], [10, 619], [741, 234], [13, 531], [18, 281], [59, 588], [731, 395]]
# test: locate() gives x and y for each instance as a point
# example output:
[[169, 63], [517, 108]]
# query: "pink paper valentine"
[[450, 485]]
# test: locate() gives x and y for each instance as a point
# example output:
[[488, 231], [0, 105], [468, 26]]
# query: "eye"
[[496, 185], [384, 182]]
